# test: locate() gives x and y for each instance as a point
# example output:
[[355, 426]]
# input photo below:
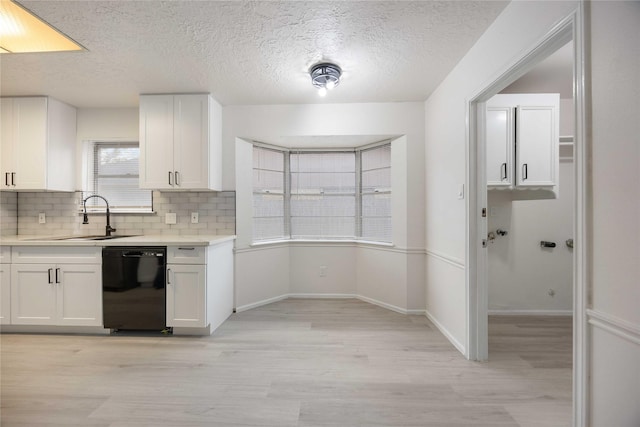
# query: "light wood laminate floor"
[[293, 363]]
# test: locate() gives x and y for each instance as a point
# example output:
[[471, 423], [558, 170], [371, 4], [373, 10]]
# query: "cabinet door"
[[191, 141], [536, 146], [186, 295], [499, 139], [6, 142], [79, 298], [33, 294], [156, 142], [5, 294], [30, 143]]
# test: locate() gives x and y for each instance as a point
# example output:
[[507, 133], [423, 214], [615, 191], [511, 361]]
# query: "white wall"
[[383, 275], [304, 271], [615, 214], [519, 28], [521, 273]]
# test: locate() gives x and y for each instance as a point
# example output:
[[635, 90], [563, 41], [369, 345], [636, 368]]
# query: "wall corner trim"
[[620, 328]]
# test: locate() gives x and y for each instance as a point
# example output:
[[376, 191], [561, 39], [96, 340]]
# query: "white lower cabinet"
[[5, 294], [5, 285], [186, 295], [199, 287], [57, 294]]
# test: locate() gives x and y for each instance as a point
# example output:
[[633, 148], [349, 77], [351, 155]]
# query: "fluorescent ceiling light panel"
[[21, 31]]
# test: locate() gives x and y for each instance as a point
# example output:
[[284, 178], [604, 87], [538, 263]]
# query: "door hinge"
[[484, 212]]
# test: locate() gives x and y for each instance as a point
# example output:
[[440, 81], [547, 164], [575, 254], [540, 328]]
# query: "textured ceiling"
[[247, 52]]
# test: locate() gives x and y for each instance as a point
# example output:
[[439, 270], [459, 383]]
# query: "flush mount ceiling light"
[[21, 31], [325, 76]]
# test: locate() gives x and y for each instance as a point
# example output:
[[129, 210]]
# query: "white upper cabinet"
[[522, 136], [500, 144], [37, 144], [537, 139], [180, 142]]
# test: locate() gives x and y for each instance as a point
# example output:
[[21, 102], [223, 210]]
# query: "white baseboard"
[[322, 296], [530, 313], [330, 296], [261, 303], [444, 331], [382, 304]]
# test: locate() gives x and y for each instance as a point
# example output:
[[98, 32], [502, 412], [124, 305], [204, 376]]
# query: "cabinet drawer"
[[56, 255], [5, 254], [186, 254]]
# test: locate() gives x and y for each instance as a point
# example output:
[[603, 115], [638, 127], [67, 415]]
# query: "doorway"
[[566, 31], [530, 228]]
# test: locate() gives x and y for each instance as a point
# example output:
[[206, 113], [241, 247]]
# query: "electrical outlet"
[[42, 219], [194, 217], [170, 218], [323, 271]]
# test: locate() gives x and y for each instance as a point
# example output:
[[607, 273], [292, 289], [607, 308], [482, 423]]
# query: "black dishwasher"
[[133, 288]]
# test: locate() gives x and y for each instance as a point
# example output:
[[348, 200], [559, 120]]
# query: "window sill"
[[119, 212], [321, 242]]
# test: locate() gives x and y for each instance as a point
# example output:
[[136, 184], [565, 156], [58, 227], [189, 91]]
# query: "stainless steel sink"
[[111, 237], [94, 237]]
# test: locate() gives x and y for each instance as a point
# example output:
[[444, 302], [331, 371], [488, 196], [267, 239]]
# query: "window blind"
[[323, 195], [268, 194], [376, 194], [115, 176]]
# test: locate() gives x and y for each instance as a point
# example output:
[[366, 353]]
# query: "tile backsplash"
[[216, 212], [8, 213]]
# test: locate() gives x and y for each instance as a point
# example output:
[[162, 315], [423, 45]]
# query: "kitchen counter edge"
[[146, 240]]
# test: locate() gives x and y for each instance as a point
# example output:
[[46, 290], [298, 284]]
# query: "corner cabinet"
[[199, 287], [37, 144], [180, 142], [59, 286], [522, 136]]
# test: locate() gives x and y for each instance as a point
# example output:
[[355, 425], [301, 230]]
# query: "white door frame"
[[571, 28]]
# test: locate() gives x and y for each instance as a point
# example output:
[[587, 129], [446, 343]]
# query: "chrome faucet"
[[85, 219]]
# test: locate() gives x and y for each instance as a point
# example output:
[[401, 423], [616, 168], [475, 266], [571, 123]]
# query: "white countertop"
[[146, 240]]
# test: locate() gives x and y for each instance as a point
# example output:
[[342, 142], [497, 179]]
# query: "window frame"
[[286, 218], [91, 178]]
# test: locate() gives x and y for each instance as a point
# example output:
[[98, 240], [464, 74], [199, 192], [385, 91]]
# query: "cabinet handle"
[[49, 271], [13, 179], [503, 172], [168, 276], [186, 249], [177, 180], [57, 275], [6, 179], [525, 171], [170, 183]]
